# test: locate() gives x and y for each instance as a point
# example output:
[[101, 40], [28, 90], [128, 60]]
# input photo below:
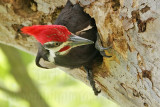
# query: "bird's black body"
[[75, 19]]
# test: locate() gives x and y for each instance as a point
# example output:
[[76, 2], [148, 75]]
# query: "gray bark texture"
[[131, 77]]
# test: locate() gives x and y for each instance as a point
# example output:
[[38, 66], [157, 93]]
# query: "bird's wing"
[[74, 18]]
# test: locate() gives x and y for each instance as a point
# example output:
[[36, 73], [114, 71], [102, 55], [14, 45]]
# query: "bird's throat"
[[51, 56], [61, 52]]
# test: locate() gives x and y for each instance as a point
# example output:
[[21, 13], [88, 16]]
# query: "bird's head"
[[56, 38]]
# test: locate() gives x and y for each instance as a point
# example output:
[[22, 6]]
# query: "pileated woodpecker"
[[70, 42]]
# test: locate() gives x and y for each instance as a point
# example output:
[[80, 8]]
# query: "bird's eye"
[[57, 44], [52, 44]]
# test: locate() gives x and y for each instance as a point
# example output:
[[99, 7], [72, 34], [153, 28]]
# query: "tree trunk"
[[131, 76]]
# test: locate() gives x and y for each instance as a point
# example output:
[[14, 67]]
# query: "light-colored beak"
[[75, 41]]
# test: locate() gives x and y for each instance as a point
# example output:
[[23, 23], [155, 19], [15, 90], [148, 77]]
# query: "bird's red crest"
[[47, 33]]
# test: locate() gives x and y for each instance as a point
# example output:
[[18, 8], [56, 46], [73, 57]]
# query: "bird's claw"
[[91, 80], [101, 49], [104, 54]]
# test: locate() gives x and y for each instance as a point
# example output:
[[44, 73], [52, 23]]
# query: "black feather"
[[75, 19]]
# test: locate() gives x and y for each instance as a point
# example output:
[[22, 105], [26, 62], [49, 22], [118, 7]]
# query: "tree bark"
[[131, 76]]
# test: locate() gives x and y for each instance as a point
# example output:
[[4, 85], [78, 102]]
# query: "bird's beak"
[[75, 41]]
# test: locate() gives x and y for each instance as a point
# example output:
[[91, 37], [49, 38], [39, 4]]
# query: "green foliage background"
[[57, 88]]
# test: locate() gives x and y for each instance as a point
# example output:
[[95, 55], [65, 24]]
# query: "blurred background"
[[23, 84]]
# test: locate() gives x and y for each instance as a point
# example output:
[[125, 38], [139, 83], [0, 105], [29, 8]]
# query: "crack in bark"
[[115, 4], [145, 9]]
